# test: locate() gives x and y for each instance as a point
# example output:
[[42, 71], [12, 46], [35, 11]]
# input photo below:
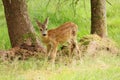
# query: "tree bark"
[[98, 18], [19, 25]]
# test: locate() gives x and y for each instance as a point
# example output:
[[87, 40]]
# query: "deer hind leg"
[[74, 47], [70, 51]]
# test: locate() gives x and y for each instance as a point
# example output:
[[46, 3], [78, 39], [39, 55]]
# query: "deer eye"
[[40, 29]]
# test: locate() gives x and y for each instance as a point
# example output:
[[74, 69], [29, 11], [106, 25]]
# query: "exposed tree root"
[[22, 53]]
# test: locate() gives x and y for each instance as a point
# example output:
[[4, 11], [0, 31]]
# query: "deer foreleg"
[[53, 53]]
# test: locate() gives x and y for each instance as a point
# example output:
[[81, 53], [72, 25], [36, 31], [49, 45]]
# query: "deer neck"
[[45, 39]]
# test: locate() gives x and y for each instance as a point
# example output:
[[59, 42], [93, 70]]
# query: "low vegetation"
[[100, 67]]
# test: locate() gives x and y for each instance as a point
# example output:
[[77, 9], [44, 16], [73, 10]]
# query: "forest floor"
[[100, 67]]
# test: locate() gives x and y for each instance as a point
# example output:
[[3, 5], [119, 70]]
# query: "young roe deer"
[[67, 32]]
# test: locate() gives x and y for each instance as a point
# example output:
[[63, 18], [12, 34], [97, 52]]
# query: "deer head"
[[43, 26]]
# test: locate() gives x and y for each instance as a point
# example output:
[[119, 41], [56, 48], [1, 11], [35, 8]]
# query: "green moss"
[[30, 36], [85, 42]]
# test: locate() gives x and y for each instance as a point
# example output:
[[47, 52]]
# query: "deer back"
[[64, 32]]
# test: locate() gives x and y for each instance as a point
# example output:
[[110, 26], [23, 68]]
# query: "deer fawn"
[[67, 32]]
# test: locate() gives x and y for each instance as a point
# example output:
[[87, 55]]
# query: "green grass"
[[63, 12], [4, 38], [103, 67]]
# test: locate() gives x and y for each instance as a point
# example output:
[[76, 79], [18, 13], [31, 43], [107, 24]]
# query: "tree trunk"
[[98, 18], [19, 25]]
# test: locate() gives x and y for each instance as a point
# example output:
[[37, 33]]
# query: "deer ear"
[[39, 23], [46, 21]]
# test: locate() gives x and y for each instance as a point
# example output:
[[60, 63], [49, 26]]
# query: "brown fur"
[[67, 32]]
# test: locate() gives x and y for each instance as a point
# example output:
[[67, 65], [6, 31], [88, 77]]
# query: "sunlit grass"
[[102, 67], [4, 39]]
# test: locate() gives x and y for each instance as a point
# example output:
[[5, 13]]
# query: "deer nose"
[[44, 34]]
